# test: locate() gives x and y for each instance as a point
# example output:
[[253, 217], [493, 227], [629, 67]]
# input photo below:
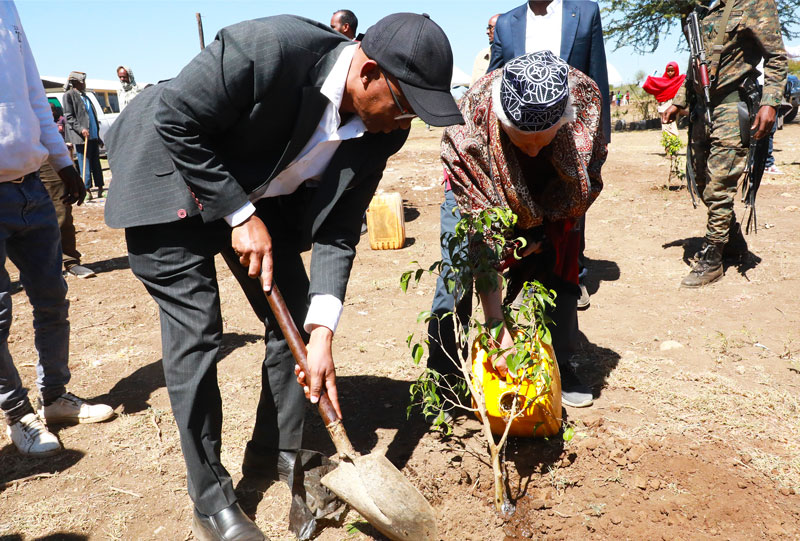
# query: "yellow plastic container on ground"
[[385, 222], [541, 417]]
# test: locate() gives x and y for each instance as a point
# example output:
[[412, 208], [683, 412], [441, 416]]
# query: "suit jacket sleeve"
[[75, 115], [335, 239], [599, 70], [215, 90], [496, 60]]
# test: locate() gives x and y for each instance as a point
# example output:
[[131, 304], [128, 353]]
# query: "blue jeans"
[[770, 158], [93, 167], [443, 350], [30, 237]]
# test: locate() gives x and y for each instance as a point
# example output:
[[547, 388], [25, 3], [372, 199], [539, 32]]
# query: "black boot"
[[736, 248], [707, 267]]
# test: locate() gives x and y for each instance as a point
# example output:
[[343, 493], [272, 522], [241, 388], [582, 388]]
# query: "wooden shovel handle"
[[85, 148], [298, 348]]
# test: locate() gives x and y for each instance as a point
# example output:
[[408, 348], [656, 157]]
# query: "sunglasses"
[[404, 115]]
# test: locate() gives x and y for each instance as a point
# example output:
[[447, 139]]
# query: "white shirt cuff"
[[238, 216], [324, 310]]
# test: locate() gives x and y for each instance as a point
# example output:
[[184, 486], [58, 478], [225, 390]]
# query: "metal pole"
[[200, 31]]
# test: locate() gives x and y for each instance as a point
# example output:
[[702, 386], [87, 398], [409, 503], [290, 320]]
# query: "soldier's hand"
[[74, 189], [671, 114], [250, 240], [765, 119]]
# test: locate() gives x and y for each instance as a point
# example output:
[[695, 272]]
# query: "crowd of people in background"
[[540, 105]]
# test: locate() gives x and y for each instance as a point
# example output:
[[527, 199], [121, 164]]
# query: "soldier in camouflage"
[[752, 34]]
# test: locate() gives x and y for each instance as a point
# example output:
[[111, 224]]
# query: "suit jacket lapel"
[[518, 28], [312, 105], [570, 16]]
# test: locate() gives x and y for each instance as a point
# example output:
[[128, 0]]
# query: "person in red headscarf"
[[664, 89]]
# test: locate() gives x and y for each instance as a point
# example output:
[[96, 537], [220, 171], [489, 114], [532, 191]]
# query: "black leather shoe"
[[230, 524], [268, 467]]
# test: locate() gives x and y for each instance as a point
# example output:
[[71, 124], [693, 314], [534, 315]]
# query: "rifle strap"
[[716, 49]]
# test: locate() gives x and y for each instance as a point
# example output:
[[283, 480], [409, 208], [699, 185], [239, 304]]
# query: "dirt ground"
[[693, 434]]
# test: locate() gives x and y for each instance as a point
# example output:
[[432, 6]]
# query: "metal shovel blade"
[[375, 488]]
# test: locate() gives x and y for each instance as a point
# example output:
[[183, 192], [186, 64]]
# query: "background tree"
[[642, 24]]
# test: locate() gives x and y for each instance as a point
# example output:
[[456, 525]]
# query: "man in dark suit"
[[270, 142]]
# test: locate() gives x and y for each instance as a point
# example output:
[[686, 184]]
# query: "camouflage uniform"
[[752, 33]]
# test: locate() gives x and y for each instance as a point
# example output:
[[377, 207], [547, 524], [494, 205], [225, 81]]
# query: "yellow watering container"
[[385, 222], [542, 416]]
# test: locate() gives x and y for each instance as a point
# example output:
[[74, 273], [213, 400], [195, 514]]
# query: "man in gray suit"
[[270, 142]]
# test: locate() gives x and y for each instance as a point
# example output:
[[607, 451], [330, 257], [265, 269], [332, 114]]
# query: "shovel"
[[371, 484]]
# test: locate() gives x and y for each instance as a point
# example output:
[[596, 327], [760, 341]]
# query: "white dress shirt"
[[543, 32], [310, 164], [28, 133]]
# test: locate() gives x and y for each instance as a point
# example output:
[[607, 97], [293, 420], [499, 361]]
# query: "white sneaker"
[[773, 170], [32, 438], [69, 408]]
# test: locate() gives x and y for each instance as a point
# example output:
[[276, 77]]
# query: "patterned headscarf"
[[74, 76], [534, 90]]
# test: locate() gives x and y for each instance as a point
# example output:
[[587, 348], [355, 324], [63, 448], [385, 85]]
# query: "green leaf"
[[569, 432], [358, 526], [404, 278], [416, 352]]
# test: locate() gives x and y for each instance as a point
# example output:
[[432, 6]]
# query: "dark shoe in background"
[[302, 470], [707, 267], [80, 271], [268, 467], [230, 524]]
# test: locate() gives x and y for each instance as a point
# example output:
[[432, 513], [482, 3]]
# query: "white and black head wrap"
[[534, 90]]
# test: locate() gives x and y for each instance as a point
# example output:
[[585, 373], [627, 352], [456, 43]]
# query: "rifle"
[[699, 65], [698, 61], [756, 153]]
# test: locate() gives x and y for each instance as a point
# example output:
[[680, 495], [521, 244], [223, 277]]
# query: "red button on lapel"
[[181, 213]]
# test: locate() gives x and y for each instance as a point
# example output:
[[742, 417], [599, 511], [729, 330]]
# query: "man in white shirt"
[[30, 237], [570, 29]]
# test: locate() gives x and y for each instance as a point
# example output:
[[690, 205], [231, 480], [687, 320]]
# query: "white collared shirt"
[[28, 133], [543, 32], [310, 164]]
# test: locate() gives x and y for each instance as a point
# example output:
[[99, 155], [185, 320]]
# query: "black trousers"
[[175, 262]]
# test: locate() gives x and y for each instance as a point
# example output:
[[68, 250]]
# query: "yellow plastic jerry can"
[[542, 417], [385, 222]]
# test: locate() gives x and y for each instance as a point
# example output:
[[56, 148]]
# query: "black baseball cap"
[[416, 51]]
